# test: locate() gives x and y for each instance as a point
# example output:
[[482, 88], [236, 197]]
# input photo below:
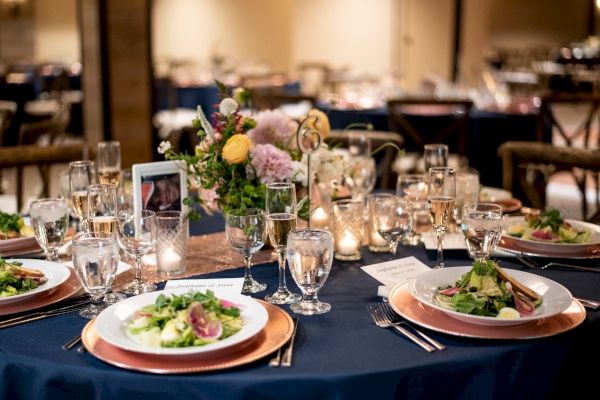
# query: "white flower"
[[228, 106], [164, 146], [300, 173]]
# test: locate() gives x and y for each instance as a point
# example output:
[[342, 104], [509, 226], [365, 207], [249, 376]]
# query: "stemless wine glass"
[[50, 220], [310, 255], [435, 155], [246, 232], [413, 188], [441, 192], [95, 259], [280, 204], [482, 228], [392, 217], [81, 175], [108, 161], [136, 233]]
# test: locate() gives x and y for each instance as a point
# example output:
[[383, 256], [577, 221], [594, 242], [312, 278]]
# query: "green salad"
[[16, 279], [548, 226], [481, 291], [191, 319], [11, 225]]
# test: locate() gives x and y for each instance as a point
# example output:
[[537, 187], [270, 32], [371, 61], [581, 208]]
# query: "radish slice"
[[523, 304], [203, 326], [228, 304], [450, 291]]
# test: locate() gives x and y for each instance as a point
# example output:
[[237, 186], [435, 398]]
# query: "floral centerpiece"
[[238, 154]]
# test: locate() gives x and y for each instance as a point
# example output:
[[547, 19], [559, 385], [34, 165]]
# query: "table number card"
[[393, 272], [226, 284]]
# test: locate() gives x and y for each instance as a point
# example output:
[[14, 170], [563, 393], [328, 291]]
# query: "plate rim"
[[138, 348], [45, 264], [484, 320]]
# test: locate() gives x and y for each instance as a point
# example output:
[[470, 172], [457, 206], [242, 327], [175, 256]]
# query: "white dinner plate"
[[55, 274], [589, 249], [556, 298], [488, 193], [111, 323]]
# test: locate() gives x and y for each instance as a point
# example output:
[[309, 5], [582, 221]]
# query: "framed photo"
[[159, 186]]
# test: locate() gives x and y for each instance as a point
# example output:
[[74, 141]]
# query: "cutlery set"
[[74, 304], [283, 357]]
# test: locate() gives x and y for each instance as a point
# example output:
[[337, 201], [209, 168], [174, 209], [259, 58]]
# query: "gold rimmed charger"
[[63, 291], [276, 332], [410, 308]]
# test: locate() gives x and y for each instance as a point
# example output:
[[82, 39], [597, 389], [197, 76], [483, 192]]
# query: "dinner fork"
[[396, 319], [382, 321], [534, 264]]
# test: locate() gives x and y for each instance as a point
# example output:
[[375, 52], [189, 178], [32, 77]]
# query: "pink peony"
[[271, 164], [272, 126], [209, 198]]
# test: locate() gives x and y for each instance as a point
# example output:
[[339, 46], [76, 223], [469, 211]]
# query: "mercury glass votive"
[[348, 229], [171, 242]]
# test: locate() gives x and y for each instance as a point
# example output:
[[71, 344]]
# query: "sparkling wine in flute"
[[103, 224], [279, 225], [441, 209], [111, 176], [79, 203]]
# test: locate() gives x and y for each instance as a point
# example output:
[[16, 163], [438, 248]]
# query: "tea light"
[[348, 229], [319, 218], [170, 260], [348, 245]]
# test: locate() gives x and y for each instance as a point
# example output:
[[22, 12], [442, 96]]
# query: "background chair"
[[528, 166], [269, 100]]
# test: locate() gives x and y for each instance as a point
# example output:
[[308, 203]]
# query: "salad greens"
[[12, 282], [548, 226], [479, 292], [191, 319], [10, 225]]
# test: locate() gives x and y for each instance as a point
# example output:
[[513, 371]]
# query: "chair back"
[[8, 109]]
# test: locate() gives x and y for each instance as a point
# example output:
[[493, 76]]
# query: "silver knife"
[[286, 359]]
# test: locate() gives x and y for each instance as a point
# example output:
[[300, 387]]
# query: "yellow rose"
[[320, 122], [236, 149]]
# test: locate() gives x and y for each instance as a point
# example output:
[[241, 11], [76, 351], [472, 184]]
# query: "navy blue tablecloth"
[[339, 355]]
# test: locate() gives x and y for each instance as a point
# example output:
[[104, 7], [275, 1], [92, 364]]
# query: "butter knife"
[[286, 359]]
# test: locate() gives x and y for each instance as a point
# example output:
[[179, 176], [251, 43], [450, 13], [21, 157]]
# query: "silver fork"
[[534, 264], [397, 320], [382, 321]]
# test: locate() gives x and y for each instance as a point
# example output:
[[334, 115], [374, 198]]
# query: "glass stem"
[[138, 268], [440, 248], [248, 262], [52, 254], [281, 257]]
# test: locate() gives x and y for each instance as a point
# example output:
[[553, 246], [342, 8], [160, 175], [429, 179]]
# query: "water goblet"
[[413, 187], [441, 192], [392, 217], [435, 155], [95, 259], [280, 205], [246, 232], [136, 234], [310, 255], [108, 161], [50, 221], [482, 229]]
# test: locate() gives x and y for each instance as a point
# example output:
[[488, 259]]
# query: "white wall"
[[56, 34]]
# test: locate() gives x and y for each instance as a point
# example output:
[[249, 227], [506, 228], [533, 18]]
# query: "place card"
[[393, 272], [225, 284]]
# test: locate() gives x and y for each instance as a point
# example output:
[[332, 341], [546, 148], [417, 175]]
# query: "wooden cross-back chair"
[[523, 175], [451, 115]]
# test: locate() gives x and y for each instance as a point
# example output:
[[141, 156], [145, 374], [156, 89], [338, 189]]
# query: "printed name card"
[[393, 272], [228, 284]]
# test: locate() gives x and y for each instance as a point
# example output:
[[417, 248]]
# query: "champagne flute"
[[441, 192], [246, 232], [482, 228], [81, 175], [413, 187], [393, 219], [435, 155], [136, 234], [50, 221], [310, 255], [108, 160], [95, 259], [280, 203]]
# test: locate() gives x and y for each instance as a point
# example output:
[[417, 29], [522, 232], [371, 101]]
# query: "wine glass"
[[81, 175], [125, 190], [441, 192], [482, 228], [359, 143], [413, 187], [392, 217], [310, 255], [108, 161], [50, 221], [95, 259], [280, 204], [435, 155], [377, 244], [361, 176], [467, 192], [246, 232], [136, 234]]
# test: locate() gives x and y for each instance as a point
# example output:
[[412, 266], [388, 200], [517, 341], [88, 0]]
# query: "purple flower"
[[271, 164], [272, 126]]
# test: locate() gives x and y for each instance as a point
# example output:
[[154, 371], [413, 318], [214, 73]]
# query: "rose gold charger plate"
[[410, 308], [276, 332], [63, 291], [19, 246]]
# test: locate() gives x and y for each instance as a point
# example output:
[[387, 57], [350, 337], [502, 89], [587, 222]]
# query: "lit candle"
[[319, 218], [347, 245], [169, 260], [377, 240]]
